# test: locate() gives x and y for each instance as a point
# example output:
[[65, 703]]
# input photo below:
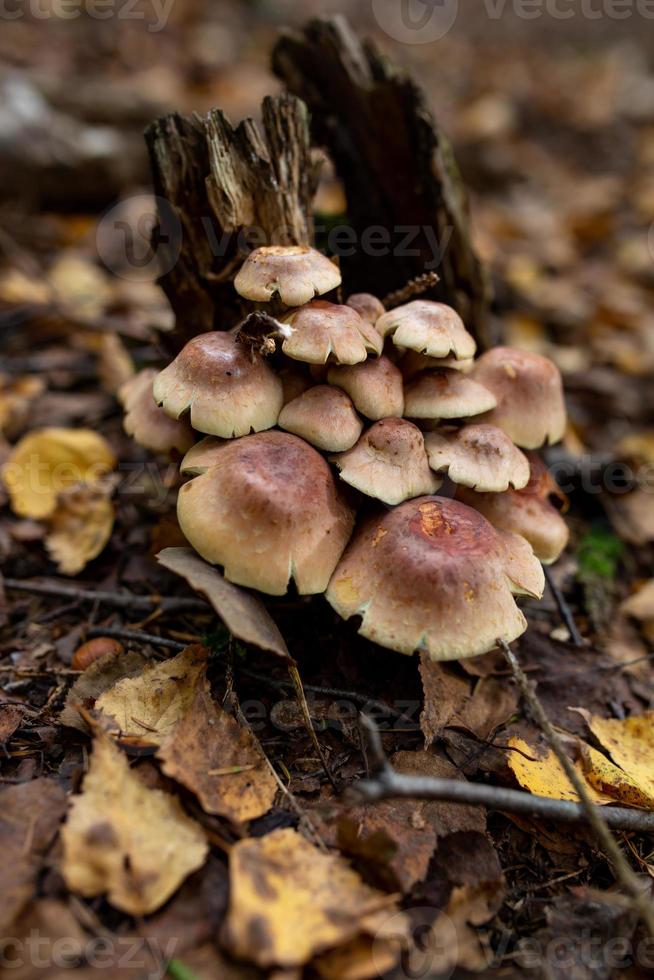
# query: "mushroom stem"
[[385, 783]]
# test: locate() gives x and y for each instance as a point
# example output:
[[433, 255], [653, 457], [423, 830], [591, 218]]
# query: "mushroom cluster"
[[364, 454]]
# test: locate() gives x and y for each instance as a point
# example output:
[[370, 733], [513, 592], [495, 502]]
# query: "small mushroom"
[[325, 417], [389, 462], [148, 424], [434, 575], [533, 512], [268, 510], [322, 330], [413, 363], [375, 387], [228, 390], [367, 306], [294, 272], [445, 395], [428, 328], [529, 391], [478, 456]]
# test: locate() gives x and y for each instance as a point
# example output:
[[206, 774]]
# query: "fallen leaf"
[[79, 286], [244, 615], [542, 774], [640, 605], [630, 743], [290, 901], [47, 461], [135, 844], [11, 716], [208, 752], [99, 677], [148, 706], [609, 779], [362, 958], [30, 814], [80, 527], [16, 398]]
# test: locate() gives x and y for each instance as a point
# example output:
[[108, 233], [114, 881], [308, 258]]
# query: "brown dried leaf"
[[134, 843], [80, 527], [99, 677], [244, 615]]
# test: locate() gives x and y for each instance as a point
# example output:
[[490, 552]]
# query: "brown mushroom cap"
[[228, 390], [202, 456], [434, 575], [295, 272], [428, 328], [321, 330], [412, 363], [268, 510], [446, 395], [529, 391], [478, 456], [533, 512], [325, 417], [148, 424], [389, 462], [375, 386], [367, 306]]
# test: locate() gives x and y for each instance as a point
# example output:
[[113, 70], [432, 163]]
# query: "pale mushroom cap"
[[530, 512], [325, 417], [529, 391], [446, 395], [294, 272], [375, 387], [428, 328], [268, 510], [367, 306], [228, 390], [203, 455], [389, 462], [478, 456], [412, 363], [434, 575], [322, 330], [148, 424]]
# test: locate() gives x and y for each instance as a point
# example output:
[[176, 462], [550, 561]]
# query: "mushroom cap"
[[321, 330], [428, 328], [529, 391], [529, 512], [446, 395], [325, 417], [296, 272], [389, 462], [148, 424], [412, 363], [268, 510], [434, 575], [367, 306], [229, 390], [203, 455], [375, 386], [478, 456]]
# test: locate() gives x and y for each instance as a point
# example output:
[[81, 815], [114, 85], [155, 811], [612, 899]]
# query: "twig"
[[137, 635], [121, 599], [386, 783], [306, 714], [595, 815], [414, 287], [564, 609]]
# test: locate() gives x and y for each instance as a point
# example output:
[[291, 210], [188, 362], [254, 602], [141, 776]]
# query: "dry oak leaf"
[[135, 844], [210, 754], [80, 527], [290, 901], [47, 461], [148, 706], [630, 743], [543, 775], [244, 615]]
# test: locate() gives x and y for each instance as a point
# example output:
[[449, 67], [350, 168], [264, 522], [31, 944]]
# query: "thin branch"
[[306, 714], [121, 599], [137, 635], [414, 287], [595, 815], [565, 611]]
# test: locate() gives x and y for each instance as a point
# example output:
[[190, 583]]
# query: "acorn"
[[92, 650]]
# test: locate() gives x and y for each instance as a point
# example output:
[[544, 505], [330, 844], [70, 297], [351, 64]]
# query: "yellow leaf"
[[630, 742], [290, 901], [47, 461], [80, 527], [16, 397], [615, 782], [542, 773], [135, 844], [149, 706], [79, 286]]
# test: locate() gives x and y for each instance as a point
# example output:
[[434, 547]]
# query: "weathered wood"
[[397, 167]]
